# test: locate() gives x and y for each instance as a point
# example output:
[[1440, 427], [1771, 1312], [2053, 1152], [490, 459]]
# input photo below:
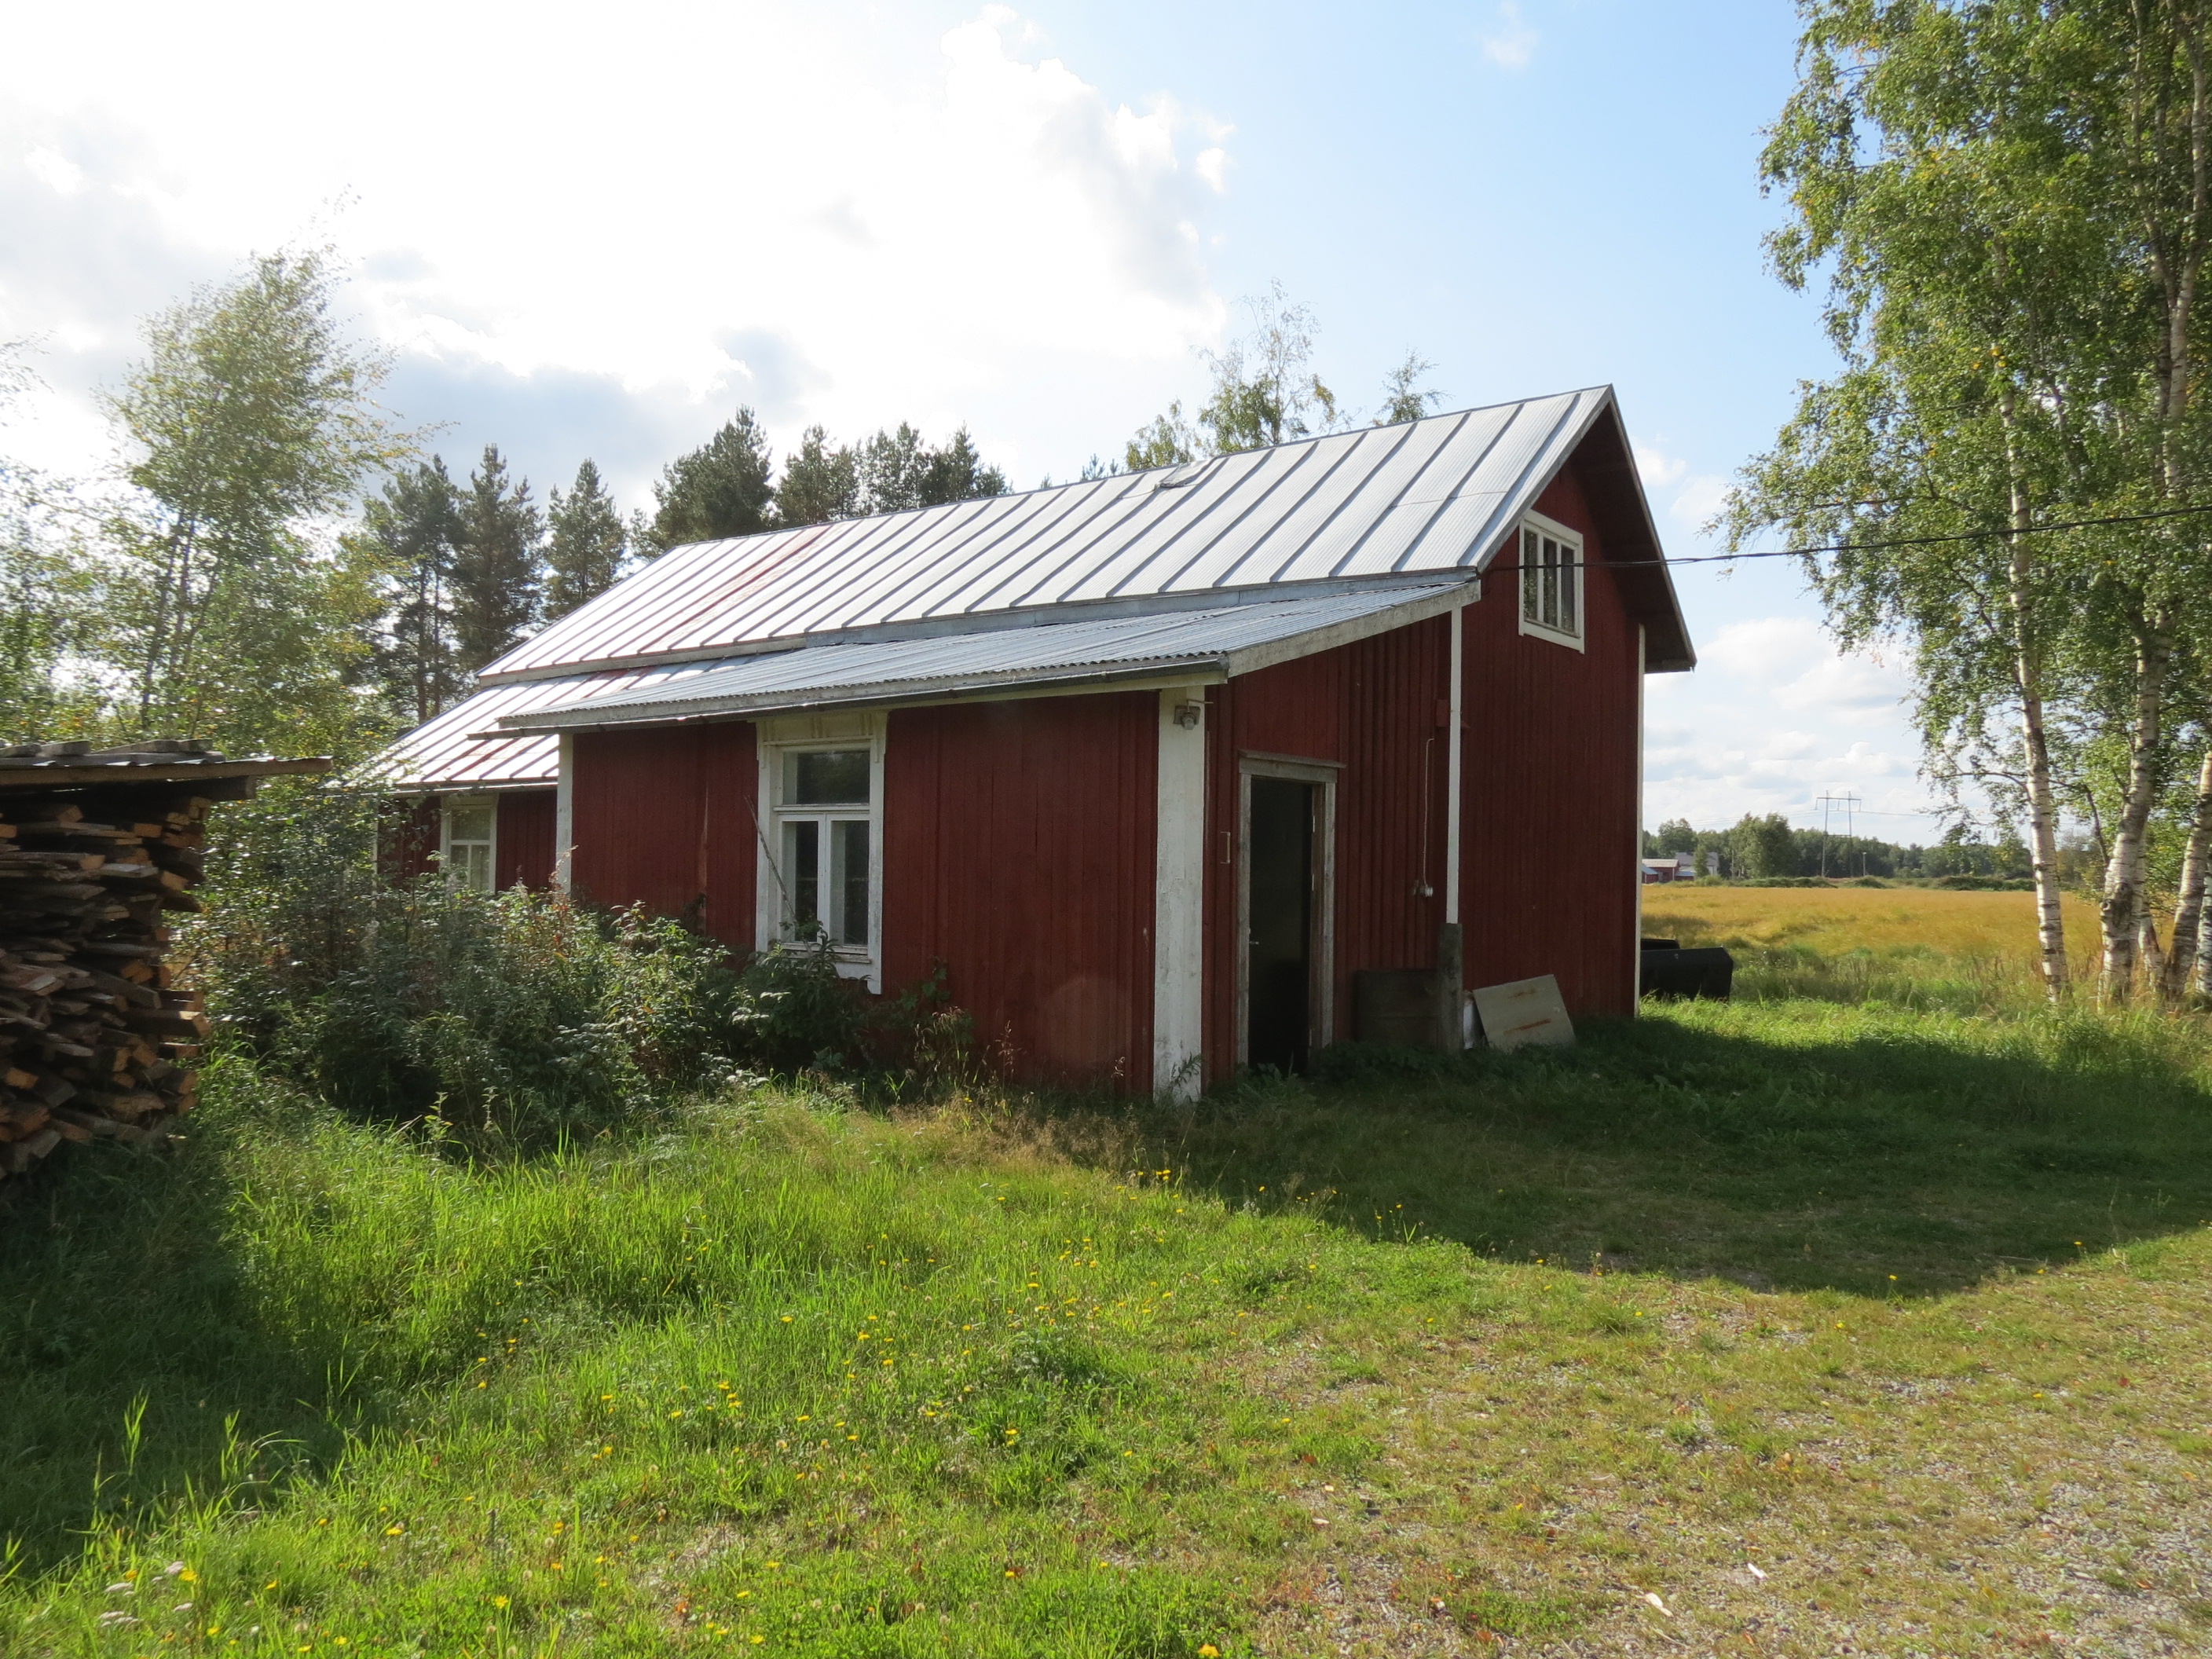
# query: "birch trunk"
[[2027, 671], [2123, 896], [2189, 942], [2204, 948]]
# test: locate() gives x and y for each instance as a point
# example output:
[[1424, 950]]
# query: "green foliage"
[[720, 488], [820, 484], [899, 473], [250, 420], [806, 1017], [1266, 391], [892, 472], [1403, 398], [1763, 846], [586, 544], [412, 532], [498, 564], [514, 1017], [2013, 238], [1168, 441]]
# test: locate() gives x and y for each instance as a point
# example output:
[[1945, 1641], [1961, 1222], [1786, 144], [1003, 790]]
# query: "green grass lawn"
[[1781, 1328]]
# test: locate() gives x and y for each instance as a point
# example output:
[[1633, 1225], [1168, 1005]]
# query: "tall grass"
[[1956, 952]]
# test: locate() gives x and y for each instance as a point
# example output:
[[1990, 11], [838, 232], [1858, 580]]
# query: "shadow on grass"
[[130, 1368], [1854, 1151]]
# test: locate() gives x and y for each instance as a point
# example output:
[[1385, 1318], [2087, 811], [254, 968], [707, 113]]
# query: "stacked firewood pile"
[[96, 1041]]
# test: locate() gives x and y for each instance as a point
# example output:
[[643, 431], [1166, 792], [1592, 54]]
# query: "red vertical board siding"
[[408, 837], [1018, 851], [524, 844], [664, 819], [732, 762], [1375, 708], [1548, 811]]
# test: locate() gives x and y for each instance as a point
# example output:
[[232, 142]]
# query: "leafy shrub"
[[515, 1015], [806, 1017]]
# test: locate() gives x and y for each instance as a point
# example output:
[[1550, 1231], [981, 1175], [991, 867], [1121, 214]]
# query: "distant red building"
[[1154, 764]]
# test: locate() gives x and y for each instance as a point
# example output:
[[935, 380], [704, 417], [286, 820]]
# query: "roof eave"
[[1190, 669]]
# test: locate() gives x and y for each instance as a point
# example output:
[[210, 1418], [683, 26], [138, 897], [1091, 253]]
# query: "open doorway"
[[1288, 817]]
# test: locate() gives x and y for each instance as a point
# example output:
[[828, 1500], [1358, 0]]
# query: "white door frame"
[[1320, 984]]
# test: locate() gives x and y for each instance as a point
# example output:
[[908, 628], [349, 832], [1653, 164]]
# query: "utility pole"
[[1827, 802]]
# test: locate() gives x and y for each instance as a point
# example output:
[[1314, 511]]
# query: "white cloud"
[[1793, 663], [1656, 468], [938, 229], [54, 170], [1515, 42], [1701, 497], [1774, 716]]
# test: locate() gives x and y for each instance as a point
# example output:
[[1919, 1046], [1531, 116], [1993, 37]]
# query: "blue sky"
[[584, 230]]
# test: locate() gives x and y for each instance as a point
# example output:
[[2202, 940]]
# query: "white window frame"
[[447, 844], [777, 740], [1535, 525]]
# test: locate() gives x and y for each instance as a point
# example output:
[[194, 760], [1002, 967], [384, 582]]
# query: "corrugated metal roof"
[[1204, 644], [450, 751], [1432, 495]]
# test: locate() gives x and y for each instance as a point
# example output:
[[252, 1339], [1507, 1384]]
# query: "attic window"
[[1551, 582]]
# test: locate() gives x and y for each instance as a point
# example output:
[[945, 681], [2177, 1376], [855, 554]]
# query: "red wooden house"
[[1155, 765]]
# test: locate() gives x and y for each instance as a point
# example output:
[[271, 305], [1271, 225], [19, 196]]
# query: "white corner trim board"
[[564, 813], [1178, 894]]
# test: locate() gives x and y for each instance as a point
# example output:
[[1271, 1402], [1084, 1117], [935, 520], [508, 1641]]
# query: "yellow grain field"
[[1902, 925]]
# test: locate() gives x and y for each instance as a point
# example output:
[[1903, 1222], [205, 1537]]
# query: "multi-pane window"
[[470, 832], [1551, 582], [826, 825]]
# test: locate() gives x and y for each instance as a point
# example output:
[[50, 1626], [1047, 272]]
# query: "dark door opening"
[[1278, 965]]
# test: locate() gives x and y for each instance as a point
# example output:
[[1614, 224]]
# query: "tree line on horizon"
[[1766, 846]]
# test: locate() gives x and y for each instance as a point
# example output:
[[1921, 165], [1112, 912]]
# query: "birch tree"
[[1926, 171], [2148, 141], [236, 614]]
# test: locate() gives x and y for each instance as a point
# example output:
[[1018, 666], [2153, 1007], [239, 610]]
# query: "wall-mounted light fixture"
[[1188, 714]]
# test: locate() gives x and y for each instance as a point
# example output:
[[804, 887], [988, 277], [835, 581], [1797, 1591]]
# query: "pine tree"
[[719, 489], [586, 547], [820, 484], [413, 530], [497, 573]]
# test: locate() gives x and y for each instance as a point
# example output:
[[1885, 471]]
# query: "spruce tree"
[[719, 489], [957, 473], [413, 532], [496, 575], [898, 472], [586, 546]]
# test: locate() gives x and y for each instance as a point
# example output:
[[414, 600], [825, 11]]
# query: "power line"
[[1909, 541]]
